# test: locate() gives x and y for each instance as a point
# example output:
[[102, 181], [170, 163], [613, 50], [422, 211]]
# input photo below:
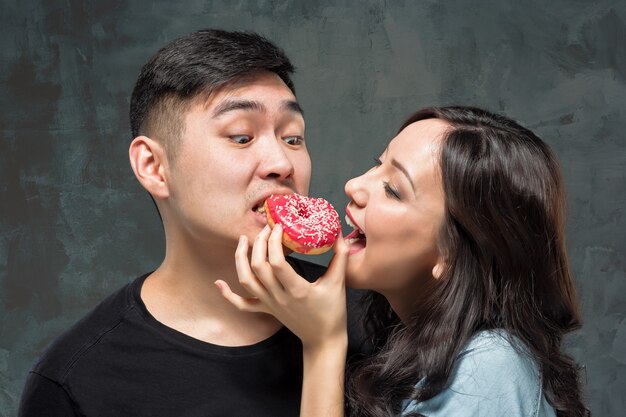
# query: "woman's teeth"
[[260, 209], [356, 234], [352, 225]]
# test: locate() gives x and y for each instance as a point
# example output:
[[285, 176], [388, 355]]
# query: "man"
[[216, 129]]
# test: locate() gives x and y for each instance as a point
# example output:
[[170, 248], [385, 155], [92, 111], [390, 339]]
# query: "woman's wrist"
[[329, 345]]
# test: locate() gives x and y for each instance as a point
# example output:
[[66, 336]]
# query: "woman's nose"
[[356, 191]]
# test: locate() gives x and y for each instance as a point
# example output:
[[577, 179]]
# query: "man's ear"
[[149, 163]]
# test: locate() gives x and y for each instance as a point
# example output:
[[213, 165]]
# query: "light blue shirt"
[[490, 379]]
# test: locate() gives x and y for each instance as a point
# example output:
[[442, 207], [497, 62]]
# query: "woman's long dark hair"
[[506, 268]]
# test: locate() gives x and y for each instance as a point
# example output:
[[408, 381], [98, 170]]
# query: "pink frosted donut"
[[310, 225]]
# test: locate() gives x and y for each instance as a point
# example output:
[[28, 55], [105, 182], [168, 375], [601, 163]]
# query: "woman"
[[459, 235]]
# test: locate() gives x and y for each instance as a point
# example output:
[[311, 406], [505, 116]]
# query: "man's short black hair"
[[196, 65]]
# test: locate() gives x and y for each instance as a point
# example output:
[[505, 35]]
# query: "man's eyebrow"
[[252, 105], [292, 106], [231, 105], [404, 171]]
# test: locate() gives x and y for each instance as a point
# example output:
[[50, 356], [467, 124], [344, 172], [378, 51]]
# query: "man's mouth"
[[259, 213], [260, 208]]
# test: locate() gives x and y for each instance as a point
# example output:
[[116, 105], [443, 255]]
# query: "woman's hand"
[[315, 312]]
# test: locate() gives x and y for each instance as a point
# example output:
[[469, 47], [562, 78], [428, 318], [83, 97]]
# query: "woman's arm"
[[315, 312], [323, 380]]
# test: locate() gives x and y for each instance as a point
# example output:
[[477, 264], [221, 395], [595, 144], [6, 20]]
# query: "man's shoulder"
[[59, 357]]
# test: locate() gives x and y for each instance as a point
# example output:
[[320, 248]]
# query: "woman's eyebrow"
[[398, 165]]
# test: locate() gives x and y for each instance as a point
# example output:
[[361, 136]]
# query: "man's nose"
[[275, 162]]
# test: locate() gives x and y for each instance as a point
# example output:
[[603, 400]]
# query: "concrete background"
[[75, 225]]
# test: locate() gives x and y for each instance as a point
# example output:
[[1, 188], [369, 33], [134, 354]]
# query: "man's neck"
[[181, 294]]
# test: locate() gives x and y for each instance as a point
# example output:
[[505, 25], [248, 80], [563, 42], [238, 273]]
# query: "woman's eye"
[[390, 191], [293, 140], [240, 139]]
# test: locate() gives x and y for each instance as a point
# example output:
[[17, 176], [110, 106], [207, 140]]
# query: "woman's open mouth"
[[356, 239]]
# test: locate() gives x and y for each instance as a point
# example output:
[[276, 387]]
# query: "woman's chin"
[[356, 274]]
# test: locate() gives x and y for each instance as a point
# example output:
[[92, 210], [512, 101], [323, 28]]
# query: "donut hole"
[[303, 211]]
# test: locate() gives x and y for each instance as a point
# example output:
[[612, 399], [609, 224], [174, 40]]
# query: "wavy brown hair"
[[506, 268]]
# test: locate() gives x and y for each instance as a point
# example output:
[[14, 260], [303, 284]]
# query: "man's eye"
[[293, 140], [241, 139]]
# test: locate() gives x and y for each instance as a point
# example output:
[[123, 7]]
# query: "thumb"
[[337, 267]]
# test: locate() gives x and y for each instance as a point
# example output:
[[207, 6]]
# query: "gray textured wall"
[[74, 224]]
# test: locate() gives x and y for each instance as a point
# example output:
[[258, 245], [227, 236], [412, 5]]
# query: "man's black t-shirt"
[[120, 361]]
